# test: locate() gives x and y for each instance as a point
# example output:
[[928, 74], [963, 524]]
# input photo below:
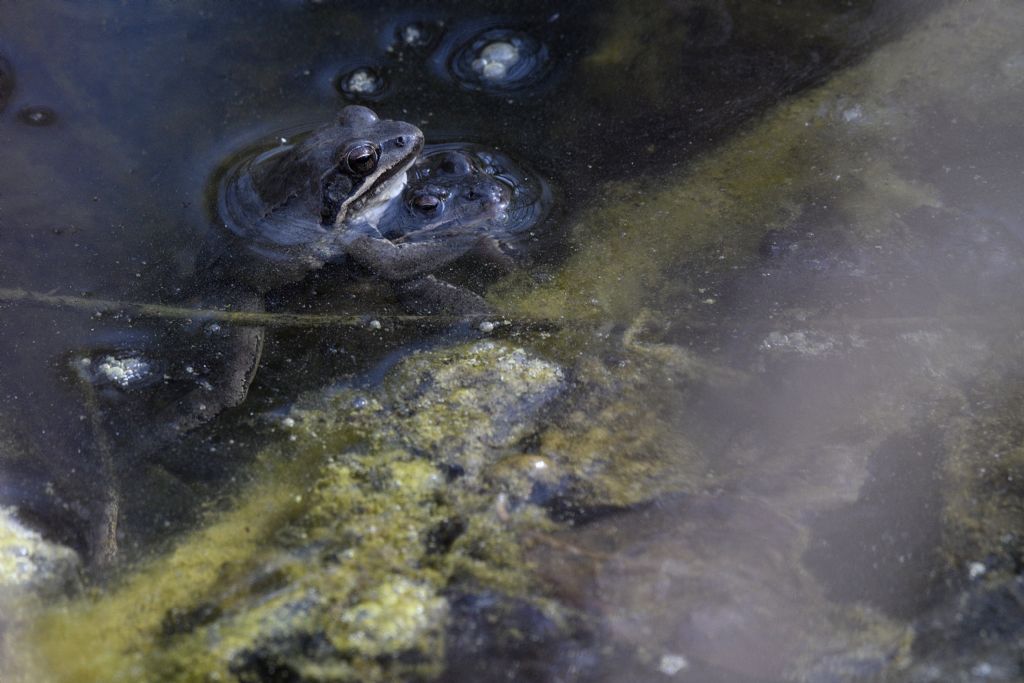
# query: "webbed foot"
[[427, 296], [233, 365]]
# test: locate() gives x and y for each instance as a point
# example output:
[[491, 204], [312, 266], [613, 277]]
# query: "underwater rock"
[[983, 476], [28, 562], [337, 562], [717, 578], [494, 638], [976, 636], [462, 408], [861, 296], [32, 570]]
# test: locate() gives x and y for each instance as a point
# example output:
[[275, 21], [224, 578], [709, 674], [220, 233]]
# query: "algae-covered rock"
[[28, 562], [975, 636], [634, 426], [983, 515], [32, 569], [718, 579], [446, 404], [841, 154], [335, 564]]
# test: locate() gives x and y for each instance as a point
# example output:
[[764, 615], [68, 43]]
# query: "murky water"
[[770, 321]]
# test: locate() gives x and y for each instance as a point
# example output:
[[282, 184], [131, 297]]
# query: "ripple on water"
[[499, 60], [416, 35]]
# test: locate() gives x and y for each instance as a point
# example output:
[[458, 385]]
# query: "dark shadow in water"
[[884, 549]]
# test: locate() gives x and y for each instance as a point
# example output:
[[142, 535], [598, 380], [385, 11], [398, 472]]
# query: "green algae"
[[983, 515], [335, 539], [653, 50]]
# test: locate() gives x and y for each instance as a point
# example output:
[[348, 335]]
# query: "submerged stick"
[[102, 538], [262, 319], [893, 324]]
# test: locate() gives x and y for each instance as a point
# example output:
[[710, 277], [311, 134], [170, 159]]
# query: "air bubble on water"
[[363, 82], [500, 59], [123, 371], [412, 35]]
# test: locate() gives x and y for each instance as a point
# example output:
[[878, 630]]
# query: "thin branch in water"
[[253, 318]]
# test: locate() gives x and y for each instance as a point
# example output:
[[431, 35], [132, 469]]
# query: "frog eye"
[[362, 159], [426, 203]]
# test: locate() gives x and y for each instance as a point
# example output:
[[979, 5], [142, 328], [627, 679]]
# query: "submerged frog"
[[349, 193]]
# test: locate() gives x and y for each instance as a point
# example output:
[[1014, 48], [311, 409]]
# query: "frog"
[[354, 193]]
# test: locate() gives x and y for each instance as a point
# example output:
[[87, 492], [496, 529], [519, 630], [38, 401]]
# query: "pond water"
[[742, 405]]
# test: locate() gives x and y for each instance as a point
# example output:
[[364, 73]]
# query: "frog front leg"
[[409, 266], [429, 295], [405, 261], [233, 365]]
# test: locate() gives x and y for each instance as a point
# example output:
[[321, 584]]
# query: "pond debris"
[[124, 372], [362, 83], [500, 60], [37, 116]]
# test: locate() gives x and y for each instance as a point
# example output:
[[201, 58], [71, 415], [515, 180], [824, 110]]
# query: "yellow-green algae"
[[332, 539], [647, 45], [983, 515]]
